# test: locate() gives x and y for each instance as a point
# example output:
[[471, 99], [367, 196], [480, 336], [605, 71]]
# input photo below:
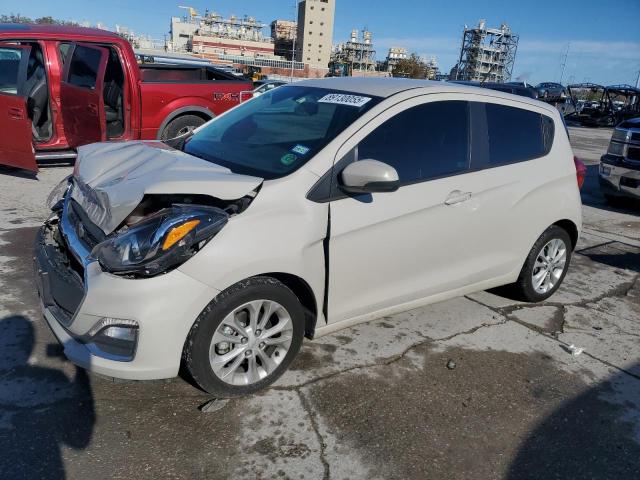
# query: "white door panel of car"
[[454, 221], [390, 248]]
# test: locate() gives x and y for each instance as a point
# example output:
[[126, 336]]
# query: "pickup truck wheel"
[[545, 267], [181, 125], [245, 338]]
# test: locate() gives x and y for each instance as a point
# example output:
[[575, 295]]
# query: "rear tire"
[[181, 125], [545, 266], [261, 357]]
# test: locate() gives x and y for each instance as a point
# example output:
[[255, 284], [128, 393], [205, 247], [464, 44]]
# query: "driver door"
[[16, 145], [81, 94]]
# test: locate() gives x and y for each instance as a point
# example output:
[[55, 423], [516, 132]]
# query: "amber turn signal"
[[178, 233]]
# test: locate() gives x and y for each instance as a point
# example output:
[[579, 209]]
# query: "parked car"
[[63, 87], [311, 208], [619, 172], [263, 86], [550, 91], [512, 88]]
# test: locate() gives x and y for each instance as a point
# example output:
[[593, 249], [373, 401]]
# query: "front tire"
[[545, 266], [245, 338]]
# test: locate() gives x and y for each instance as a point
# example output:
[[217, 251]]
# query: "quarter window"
[[424, 142]]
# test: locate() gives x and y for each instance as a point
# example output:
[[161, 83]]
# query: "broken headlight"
[[161, 241], [58, 193]]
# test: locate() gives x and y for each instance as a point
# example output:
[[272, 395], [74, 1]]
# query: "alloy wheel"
[[549, 266], [251, 342]]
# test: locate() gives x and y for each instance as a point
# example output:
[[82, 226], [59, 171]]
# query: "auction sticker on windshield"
[[344, 99]]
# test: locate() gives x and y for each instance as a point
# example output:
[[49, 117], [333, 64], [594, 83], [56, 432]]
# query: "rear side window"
[[516, 135], [83, 71], [423, 142]]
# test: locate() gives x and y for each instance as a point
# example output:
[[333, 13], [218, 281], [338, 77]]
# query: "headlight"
[[161, 241], [616, 148], [58, 192]]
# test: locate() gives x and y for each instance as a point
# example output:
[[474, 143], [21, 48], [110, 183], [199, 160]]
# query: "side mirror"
[[369, 176]]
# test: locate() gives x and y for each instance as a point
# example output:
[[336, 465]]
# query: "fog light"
[[114, 338]]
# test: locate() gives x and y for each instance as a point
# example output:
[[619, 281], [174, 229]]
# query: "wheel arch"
[[198, 111], [304, 292], [571, 228]]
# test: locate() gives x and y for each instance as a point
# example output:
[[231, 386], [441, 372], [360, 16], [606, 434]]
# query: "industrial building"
[[395, 55], [283, 34], [315, 32], [486, 54], [213, 35], [357, 53]]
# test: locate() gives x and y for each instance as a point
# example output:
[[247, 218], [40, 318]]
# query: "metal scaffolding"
[[357, 53], [487, 54]]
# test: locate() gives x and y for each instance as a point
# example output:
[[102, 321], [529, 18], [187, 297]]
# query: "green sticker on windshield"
[[288, 159]]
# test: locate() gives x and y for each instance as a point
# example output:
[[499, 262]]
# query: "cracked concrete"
[[372, 401]]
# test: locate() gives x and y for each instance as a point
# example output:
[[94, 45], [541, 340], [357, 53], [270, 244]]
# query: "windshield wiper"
[[179, 141]]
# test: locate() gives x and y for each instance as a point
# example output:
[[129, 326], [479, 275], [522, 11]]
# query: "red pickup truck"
[[62, 87]]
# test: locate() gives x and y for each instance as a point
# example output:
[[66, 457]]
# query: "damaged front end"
[[160, 234]]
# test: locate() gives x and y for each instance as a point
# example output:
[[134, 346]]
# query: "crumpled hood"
[[110, 179]]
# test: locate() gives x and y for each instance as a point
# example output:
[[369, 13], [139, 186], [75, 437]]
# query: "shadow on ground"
[[494, 415], [585, 437], [41, 410]]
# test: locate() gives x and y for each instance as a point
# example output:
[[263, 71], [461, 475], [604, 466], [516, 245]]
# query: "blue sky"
[[603, 37]]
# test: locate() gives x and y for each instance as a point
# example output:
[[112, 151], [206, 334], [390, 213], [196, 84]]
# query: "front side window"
[[423, 142], [276, 133], [83, 71]]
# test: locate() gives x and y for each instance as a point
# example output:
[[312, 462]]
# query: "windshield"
[[276, 133]]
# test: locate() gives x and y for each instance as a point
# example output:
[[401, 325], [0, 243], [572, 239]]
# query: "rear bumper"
[[74, 303]]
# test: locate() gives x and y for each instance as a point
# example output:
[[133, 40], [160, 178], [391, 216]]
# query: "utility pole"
[[564, 61], [295, 36]]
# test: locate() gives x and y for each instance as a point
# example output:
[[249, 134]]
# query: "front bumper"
[[618, 178], [77, 295]]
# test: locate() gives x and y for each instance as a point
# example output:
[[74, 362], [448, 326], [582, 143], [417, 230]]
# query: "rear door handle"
[[457, 197], [16, 113]]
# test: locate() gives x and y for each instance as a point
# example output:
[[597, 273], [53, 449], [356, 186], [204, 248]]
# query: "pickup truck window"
[[9, 66], [273, 135], [83, 71]]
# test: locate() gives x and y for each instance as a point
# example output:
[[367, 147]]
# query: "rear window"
[[516, 135], [83, 71]]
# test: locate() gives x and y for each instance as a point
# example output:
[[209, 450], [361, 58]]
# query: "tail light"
[[581, 171]]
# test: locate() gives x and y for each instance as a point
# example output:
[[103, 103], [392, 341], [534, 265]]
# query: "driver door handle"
[[457, 197], [15, 113]]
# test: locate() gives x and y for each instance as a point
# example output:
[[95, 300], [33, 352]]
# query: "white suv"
[[313, 207]]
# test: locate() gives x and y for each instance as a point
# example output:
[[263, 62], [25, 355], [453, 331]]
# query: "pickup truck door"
[[81, 94], [16, 144]]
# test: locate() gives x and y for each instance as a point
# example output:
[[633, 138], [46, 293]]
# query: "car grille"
[[633, 155]]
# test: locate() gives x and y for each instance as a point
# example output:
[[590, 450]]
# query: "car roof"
[[58, 31], [386, 87]]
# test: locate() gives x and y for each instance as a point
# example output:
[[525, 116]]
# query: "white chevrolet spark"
[[313, 207]]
